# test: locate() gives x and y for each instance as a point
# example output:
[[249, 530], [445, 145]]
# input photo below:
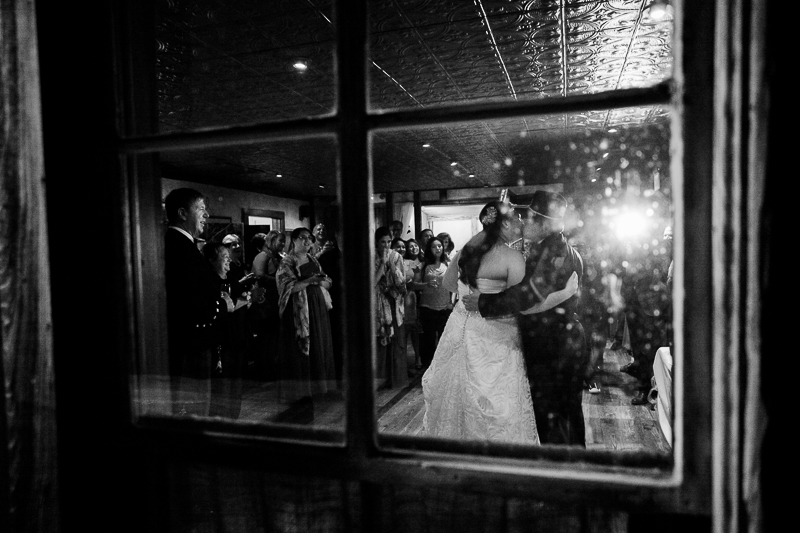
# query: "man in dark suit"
[[553, 341], [194, 304]]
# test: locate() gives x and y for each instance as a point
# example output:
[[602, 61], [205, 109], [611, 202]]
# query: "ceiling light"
[[278, 175], [453, 164], [612, 130], [300, 65], [660, 10], [321, 186], [472, 175], [426, 145]]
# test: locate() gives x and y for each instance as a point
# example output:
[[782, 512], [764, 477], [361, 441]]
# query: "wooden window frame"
[[709, 97]]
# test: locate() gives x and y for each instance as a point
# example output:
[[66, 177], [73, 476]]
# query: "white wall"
[[224, 202], [461, 231]]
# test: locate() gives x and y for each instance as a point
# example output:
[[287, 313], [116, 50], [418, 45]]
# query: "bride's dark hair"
[[469, 261]]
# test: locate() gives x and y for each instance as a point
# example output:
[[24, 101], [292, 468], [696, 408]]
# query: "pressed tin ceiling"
[[223, 63]]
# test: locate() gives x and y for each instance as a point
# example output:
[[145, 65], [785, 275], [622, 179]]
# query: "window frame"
[[684, 488]]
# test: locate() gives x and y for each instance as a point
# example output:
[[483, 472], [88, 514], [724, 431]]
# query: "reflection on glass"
[[438, 53], [221, 64], [557, 327], [253, 307]]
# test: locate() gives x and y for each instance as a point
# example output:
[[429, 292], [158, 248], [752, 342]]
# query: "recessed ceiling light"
[[300, 65], [612, 130], [321, 186], [472, 175], [278, 175], [426, 145], [453, 164], [660, 10]]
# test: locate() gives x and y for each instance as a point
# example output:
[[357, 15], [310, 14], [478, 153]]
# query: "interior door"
[[249, 232]]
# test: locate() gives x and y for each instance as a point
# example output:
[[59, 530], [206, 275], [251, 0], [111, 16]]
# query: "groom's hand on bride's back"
[[471, 300]]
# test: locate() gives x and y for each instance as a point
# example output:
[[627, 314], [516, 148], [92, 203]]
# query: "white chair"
[[662, 382]]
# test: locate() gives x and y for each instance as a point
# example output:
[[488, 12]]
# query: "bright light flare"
[[629, 225]]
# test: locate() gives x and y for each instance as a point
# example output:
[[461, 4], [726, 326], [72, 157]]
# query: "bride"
[[477, 387]]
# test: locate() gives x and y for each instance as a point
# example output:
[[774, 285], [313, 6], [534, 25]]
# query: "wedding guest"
[[411, 321], [269, 255], [232, 333], [447, 242], [411, 258], [435, 302], [243, 282], [390, 289], [194, 303], [329, 256], [237, 267], [257, 365], [648, 315], [422, 239], [396, 227], [408, 328], [306, 368], [399, 246]]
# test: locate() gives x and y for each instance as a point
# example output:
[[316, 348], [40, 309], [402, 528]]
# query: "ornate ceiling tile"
[[222, 63]]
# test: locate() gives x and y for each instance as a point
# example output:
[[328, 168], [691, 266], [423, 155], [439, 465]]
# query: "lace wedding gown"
[[477, 388]]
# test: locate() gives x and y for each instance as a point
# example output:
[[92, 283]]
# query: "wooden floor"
[[612, 422]]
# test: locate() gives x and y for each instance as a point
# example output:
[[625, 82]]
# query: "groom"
[[553, 341]]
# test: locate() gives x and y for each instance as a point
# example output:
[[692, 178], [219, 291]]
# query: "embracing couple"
[[509, 365]]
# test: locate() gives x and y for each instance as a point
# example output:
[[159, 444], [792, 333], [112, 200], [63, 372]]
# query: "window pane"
[[435, 53], [461, 376], [222, 64], [272, 354]]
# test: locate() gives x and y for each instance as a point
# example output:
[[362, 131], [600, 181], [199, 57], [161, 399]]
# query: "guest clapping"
[[232, 333], [390, 290]]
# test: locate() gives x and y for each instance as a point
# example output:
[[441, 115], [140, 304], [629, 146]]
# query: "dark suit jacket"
[[194, 306]]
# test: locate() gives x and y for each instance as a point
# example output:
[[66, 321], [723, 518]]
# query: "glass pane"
[[252, 312], [434, 53], [592, 196], [223, 64]]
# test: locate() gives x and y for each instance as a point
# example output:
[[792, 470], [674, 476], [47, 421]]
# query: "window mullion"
[[354, 194]]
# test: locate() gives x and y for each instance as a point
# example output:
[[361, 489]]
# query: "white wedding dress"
[[476, 387]]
